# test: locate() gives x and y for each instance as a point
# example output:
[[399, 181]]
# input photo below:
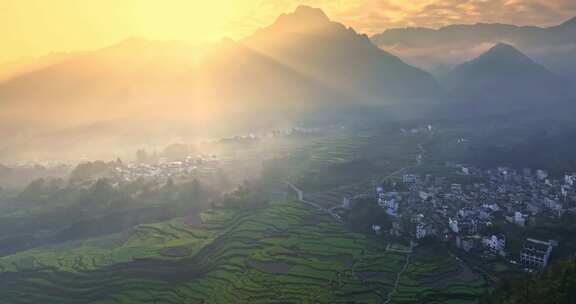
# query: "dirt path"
[[300, 195], [398, 277]]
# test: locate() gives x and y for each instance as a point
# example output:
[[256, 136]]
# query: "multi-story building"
[[535, 253], [468, 243], [409, 178], [468, 226]]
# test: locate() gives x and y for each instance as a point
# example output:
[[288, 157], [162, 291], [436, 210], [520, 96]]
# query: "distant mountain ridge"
[[479, 33], [440, 49]]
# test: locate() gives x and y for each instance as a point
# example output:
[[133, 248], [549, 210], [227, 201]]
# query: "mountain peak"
[[503, 51], [305, 12], [303, 18], [503, 47], [503, 73]]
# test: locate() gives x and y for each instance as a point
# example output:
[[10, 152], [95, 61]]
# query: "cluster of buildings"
[[468, 212], [199, 166]]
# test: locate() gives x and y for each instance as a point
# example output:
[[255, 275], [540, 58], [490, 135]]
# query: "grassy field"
[[285, 253]]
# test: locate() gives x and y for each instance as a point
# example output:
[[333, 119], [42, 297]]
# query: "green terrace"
[[284, 253]]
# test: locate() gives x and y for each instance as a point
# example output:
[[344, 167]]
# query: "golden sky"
[[37, 27]]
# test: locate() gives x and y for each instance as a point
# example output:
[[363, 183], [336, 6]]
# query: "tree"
[[365, 213], [35, 191], [192, 191], [557, 285], [169, 184], [91, 170], [247, 196], [102, 192]]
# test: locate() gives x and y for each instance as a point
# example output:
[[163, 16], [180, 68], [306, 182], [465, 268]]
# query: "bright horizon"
[[31, 28]]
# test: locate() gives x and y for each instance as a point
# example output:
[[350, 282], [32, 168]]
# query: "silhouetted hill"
[[505, 74]]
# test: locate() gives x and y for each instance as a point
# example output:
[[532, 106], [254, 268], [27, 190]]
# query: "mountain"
[[12, 69], [505, 74], [142, 92], [302, 65], [443, 48], [310, 43], [303, 54]]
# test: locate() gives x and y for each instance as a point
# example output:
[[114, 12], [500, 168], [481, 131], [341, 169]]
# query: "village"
[[467, 215]]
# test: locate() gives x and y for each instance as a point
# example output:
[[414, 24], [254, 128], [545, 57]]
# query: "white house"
[[377, 229], [453, 224], [346, 203], [389, 201], [391, 206], [456, 188], [492, 207], [541, 174], [424, 195], [495, 243], [421, 231], [520, 219], [570, 179]]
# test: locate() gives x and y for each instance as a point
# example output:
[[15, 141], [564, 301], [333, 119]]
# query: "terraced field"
[[353, 158], [327, 151], [284, 253], [434, 276]]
